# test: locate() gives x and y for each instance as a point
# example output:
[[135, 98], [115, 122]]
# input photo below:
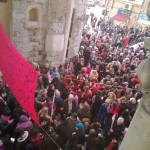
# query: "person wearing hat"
[[78, 137], [24, 123]]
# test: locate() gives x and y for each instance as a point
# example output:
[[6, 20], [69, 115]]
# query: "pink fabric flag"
[[20, 76]]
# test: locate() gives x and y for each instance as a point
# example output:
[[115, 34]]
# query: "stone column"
[[138, 135], [56, 36]]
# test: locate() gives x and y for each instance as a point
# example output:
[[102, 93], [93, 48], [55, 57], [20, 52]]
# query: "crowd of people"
[[85, 104]]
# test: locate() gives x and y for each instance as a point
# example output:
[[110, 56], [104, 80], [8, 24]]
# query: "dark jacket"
[[77, 138], [30, 146], [60, 130], [95, 107], [83, 114], [69, 128], [94, 143], [48, 144], [66, 106], [118, 131]]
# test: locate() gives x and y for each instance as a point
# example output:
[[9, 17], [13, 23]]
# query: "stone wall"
[[40, 28], [55, 38], [78, 23], [5, 15], [60, 19], [28, 35]]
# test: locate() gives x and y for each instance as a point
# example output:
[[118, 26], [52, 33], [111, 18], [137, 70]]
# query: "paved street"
[[97, 11]]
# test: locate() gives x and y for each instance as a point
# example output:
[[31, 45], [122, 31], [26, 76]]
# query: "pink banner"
[[18, 74]]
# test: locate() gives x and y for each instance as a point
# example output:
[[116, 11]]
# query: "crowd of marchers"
[[86, 103]]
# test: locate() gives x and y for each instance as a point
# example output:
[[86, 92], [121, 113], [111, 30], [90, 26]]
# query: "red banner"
[[18, 74]]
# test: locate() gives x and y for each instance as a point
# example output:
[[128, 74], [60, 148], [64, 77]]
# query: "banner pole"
[[53, 104], [51, 139]]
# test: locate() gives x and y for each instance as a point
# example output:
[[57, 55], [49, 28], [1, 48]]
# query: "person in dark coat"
[[6, 144], [93, 142], [35, 140], [69, 105], [51, 89], [127, 118], [3, 105], [78, 137], [70, 124], [60, 130], [6, 124], [96, 105], [83, 111], [87, 54], [48, 143], [132, 105], [118, 129], [21, 139]]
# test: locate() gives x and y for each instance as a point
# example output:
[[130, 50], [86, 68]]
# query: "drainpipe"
[[141, 9], [112, 4]]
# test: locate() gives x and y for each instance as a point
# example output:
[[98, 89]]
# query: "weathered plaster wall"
[[29, 36], [5, 15], [78, 23], [55, 38], [47, 37]]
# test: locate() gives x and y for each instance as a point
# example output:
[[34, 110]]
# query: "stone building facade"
[[5, 15], [133, 7], [47, 29]]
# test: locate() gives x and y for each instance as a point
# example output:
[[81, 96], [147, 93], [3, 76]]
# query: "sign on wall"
[[124, 12]]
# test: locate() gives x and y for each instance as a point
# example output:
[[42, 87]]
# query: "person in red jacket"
[[113, 144], [103, 54]]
